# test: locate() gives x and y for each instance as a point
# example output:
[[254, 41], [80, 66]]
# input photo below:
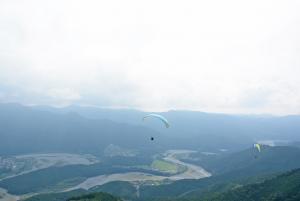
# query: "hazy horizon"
[[62, 107]]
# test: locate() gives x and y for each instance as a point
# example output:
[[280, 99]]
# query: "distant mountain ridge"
[[192, 127], [85, 129], [27, 130]]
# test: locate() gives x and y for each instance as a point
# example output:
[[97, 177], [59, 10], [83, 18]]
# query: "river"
[[192, 172]]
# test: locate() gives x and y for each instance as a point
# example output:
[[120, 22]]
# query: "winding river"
[[192, 172]]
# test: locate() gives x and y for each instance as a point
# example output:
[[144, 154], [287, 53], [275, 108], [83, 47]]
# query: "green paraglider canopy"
[[163, 119], [257, 146]]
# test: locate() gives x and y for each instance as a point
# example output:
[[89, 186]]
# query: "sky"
[[216, 56]]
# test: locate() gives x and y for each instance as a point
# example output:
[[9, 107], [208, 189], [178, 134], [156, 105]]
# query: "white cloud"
[[64, 94], [220, 56]]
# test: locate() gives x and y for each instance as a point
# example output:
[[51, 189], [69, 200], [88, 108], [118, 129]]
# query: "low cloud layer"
[[216, 56]]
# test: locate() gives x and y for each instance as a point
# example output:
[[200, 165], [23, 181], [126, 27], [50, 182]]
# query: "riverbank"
[[192, 172]]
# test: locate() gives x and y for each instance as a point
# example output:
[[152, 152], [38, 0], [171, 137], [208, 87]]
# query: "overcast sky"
[[230, 56]]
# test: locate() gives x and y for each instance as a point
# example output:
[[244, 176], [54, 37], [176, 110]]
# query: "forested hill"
[[95, 197], [285, 187]]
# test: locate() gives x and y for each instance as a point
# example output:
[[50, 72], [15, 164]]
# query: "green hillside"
[[123, 189], [285, 187], [56, 196], [95, 197], [78, 195]]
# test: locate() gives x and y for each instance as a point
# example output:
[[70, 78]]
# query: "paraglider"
[[163, 119], [257, 146]]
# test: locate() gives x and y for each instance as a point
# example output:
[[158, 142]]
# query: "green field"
[[164, 166]]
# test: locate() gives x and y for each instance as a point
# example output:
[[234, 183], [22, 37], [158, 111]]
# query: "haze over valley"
[[160, 100]]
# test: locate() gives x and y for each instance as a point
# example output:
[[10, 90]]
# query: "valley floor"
[[40, 161], [191, 172]]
